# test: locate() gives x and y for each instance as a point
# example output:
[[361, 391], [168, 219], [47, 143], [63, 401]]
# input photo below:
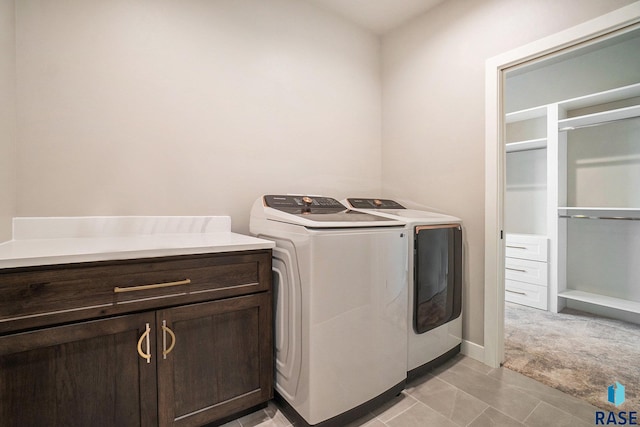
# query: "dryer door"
[[438, 276]]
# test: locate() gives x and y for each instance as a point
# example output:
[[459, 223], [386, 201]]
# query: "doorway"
[[604, 28], [572, 123]]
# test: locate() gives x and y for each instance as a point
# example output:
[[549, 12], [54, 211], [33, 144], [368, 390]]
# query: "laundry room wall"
[[433, 109], [7, 117], [191, 107]]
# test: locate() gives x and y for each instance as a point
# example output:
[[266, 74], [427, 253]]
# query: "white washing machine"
[[435, 281], [341, 305]]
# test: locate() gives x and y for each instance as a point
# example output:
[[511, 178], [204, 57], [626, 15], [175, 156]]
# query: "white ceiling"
[[378, 16]]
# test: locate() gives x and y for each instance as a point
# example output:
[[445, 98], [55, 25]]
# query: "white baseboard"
[[472, 350]]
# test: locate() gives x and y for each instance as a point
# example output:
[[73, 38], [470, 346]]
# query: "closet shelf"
[[599, 118], [532, 144], [529, 113], [601, 300], [604, 97]]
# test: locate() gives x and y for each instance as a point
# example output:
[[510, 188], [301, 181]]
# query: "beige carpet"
[[576, 352]]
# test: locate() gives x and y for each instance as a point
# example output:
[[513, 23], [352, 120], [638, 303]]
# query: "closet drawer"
[[527, 246], [522, 270], [526, 294]]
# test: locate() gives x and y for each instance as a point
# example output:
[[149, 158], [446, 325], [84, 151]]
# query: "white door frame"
[[495, 158]]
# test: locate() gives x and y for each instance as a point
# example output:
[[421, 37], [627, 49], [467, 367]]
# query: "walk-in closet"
[[572, 217], [572, 202]]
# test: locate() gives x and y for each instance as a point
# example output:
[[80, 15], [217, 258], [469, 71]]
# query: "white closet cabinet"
[[526, 262], [526, 270], [592, 204]]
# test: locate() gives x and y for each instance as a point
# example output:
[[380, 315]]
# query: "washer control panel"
[[288, 202], [375, 204]]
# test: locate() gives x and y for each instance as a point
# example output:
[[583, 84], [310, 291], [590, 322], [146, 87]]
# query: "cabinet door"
[[221, 362], [82, 374]]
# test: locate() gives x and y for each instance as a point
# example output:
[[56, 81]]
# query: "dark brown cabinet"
[[76, 374], [181, 346], [218, 365]]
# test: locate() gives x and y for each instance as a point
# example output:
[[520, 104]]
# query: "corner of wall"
[[7, 118]]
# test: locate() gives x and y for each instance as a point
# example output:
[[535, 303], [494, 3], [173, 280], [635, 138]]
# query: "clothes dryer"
[[341, 306], [435, 281]]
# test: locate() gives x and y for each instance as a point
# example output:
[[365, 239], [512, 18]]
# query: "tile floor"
[[463, 392]]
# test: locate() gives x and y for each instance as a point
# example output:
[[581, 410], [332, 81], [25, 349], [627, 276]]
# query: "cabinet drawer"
[[526, 294], [527, 246], [523, 270], [47, 295]]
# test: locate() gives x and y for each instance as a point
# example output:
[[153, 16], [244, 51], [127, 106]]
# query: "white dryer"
[[435, 281], [341, 305]]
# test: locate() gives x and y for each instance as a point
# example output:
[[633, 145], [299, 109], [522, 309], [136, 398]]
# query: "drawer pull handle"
[[146, 355], [516, 269], [165, 331], [516, 247], [154, 286], [516, 292]]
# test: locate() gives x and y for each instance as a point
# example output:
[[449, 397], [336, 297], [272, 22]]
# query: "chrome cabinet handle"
[[516, 292], [165, 331], [152, 286], [516, 269], [146, 355]]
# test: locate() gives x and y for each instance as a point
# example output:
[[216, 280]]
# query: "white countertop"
[[47, 241]]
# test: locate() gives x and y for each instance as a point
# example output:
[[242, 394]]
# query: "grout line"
[[459, 390], [532, 411], [509, 416], [445, 381], [504, 384], [478, 416], [397, 415], [565, 411]]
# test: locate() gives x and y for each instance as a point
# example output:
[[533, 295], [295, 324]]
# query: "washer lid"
[[320, 212]]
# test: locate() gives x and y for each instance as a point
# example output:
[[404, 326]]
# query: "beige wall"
[[198, 107], [191, 107], [433, 109], [7, 117]]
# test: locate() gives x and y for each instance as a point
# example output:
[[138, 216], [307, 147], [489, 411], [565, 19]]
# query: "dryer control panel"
[[375, 204]]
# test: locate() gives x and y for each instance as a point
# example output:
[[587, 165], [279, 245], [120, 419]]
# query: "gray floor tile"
[[475, 364], [271, 416], [366, 420], [457, 359], [546, 415], [579, 408], [501, 396], [463, 393], [491, 417], [449, 401], [420, 415], [394, 407]]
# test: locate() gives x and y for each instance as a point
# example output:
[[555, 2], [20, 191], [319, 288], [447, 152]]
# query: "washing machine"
[[435, 281], [340, 306]]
